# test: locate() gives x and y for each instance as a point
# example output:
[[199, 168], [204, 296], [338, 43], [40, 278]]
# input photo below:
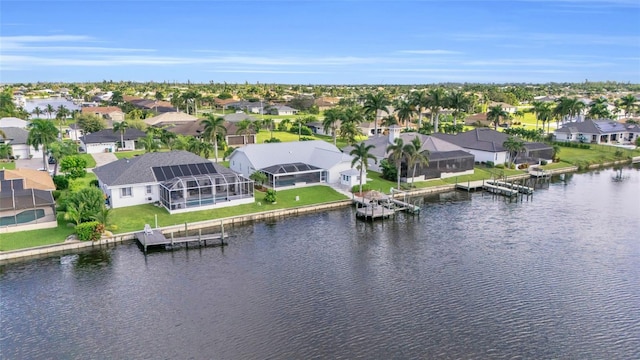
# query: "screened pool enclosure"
[[200, 185], [293, 173]]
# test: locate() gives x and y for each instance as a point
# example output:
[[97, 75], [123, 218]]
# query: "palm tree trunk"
[[361, 175], [399, 172], [215, 147], [121, 139]]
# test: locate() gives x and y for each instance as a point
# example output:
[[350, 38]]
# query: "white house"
[[17, 138], [292, 164], [178, 180], [598, 132], [107, 140], [13, 122], [282, 110]]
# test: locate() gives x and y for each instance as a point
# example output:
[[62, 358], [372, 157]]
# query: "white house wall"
[[24, 151], [139, 195], [99, 148], [239, 162], [333, 174], [484, 156]]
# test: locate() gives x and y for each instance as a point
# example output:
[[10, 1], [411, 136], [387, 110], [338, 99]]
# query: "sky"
[[320, 42]]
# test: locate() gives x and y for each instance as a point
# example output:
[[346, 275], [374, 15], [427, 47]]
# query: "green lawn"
[[8, 165], [134, 218], [128, 154], [91, 162], [596, 154], [556, 165], [27, 239]]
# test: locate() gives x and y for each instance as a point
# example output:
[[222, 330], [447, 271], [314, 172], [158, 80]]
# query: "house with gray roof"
[[253, 107], [290, 164], [282, 110], [13, 122], [445, 159], [108, 140], [486, 145], [598, 132], [178, 180], [26, 200], [17, 138]]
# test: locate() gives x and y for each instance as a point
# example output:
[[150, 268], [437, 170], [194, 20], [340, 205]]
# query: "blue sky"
[[321, 42]]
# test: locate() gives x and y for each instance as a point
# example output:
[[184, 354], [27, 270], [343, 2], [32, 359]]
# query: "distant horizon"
[[321, 42]]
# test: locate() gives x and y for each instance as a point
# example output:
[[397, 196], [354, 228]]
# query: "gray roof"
[[317, 153], [484, 139], [108, 135], [593, 127], [430, 143], [237, 117], [15, 135], [138, 169]]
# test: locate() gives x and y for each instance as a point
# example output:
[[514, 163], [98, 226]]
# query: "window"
[[125, 192], [148, 189]]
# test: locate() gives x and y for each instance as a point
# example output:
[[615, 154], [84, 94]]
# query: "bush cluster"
[[572, 144], [89, 231]]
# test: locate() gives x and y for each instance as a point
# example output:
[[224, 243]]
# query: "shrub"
[[490, 164], [303, 130], [523, 166], [94, 183], [638, 141], [89, 201], [389, 171], [618, 153], [61, 182], [543, 162], [74, 166], [56, 194], [90, 230], [500, 166], [270, 196], [356, 188], [272, 140]]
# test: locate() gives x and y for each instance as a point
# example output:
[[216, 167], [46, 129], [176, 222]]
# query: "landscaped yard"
[[128, 154], [596, 154], [8, 165], [91, 162]]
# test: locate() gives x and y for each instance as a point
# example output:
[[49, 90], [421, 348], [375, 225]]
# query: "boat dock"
[[376, 205], [500, 190], [149, 237], [520, 188], [471, 185]]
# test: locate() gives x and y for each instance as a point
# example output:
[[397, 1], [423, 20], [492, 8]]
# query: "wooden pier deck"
[[520, 188], [500, 190], [470, 185], [374, 212], [157, 238]]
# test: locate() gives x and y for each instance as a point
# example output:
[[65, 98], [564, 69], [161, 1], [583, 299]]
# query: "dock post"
[[200, 237], [172, 240], [221, 233]]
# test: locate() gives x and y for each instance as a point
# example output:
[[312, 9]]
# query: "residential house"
[[292, 164], [318, 128], [110, 113], [253, 107], [26, 200], [487, 145], [158, 106], [13, 122], [74, 132], [325, 103], [17, 138], [108, 140], [282, 110], [232, 138], [506, 107], [598, 132], [445, 159], [170, 118], [237, 117], [179, 181]]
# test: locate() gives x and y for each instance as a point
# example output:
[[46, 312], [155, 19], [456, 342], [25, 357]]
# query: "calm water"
[[471, 277], [55, 102]]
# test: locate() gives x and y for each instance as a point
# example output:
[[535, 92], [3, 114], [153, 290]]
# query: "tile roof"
[[34, 179], [170, 118], [108, 135], [138, 169], [100, 109]]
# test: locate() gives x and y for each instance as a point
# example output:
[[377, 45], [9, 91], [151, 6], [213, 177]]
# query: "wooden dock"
[[500, 190], [373, 212], [520, 188], [155, 238], [471, 185]]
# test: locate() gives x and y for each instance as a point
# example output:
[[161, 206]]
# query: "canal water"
[[473, 276]]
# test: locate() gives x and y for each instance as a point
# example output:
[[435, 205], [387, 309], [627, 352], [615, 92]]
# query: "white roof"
[[317, 153], [13, 122]]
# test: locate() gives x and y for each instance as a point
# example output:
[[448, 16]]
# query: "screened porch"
[[293, 174], [202, 190]]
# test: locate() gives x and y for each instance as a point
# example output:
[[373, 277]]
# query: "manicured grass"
[[376, 182], [128, 154], [91, 162], [134, 218], [556, 165], [27, 239], [596, 154], [8, 165]]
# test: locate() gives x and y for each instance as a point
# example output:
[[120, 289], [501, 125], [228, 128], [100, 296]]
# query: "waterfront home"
[[26, 200], [108, 140], [13, 122], [598, 132], [487, 145], [170, 118], [109, 113], [231, 137], [17, 138], [317, 128], [179, 181], [158, 106], [445, 159], [291, 164]]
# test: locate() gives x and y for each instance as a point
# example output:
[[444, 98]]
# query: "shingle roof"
[[483, 139], [429, 143], [593, 127], [138, 169], [15, 135], [108, 135], [317, 153]]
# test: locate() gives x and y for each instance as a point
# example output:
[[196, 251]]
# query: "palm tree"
[[545, 114], [494, 114], [42, 133], [436, 100], [419, 101], [415, 157], [61, 114], [122, 128], [37, 112], [458, 102], [168, 138], [629, 103], [5, 150], [373, 103], [397, 153], [149, 143], [598, 109], [361, 155], [49, 110], [405, 111], [194, 145], [514, 146], [212, 127], [349, 129], [331, 119]]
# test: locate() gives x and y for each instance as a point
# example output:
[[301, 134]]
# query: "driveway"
[[104, 158], [30, 164]]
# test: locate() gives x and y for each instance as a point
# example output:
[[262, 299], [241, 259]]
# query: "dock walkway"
[[156, 238]]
